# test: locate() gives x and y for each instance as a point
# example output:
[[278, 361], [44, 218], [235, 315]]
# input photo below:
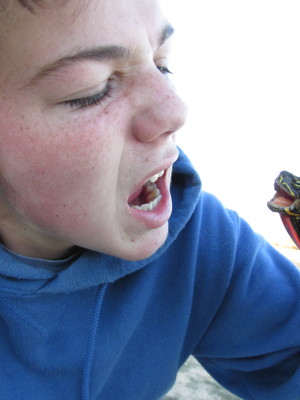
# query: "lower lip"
[[161, 213]]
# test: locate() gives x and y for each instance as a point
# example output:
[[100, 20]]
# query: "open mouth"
[[282, 199], [148, 196], [284, 203]]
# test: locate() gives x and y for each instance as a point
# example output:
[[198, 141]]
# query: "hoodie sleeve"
[[251, 343]]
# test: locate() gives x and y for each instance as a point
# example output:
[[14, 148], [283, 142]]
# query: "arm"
[[252, 342]]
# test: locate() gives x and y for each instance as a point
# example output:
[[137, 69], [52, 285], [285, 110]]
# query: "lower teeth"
[[153, 198], [149, 206]]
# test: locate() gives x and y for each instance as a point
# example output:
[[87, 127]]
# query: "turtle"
[[286, 202]]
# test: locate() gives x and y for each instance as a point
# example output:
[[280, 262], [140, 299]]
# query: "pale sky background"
[[236, 64]]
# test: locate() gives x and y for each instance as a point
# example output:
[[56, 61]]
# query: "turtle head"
[[286, 202], [287, 197]]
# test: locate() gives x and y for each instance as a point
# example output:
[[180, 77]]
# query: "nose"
[[160, 111]]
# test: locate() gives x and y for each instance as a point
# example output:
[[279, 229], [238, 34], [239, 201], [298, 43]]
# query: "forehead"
[[63, 24], [62, 28], [31, 5], [15, 14]]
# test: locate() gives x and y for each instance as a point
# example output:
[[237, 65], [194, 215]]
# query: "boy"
[[104, 292]]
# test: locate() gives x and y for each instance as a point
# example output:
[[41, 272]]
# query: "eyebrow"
[[102, 54]]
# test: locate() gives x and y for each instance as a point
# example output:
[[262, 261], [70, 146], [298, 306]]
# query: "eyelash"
[[164, 70], [94, 100], [98, 98]]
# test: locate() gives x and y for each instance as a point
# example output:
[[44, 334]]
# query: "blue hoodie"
[[97, 327]]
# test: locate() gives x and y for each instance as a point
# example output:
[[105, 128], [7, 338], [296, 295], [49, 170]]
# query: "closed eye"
[[98, 98], [84, 102], [164, 70]]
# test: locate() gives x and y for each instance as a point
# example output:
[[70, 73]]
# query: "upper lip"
[[168, 161]]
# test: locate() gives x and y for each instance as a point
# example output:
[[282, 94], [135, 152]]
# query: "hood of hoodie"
[[89, 268]]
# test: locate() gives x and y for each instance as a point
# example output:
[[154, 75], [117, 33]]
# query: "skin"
[[66, 172]]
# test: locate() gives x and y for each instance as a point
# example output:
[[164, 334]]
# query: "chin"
[[142, 248]]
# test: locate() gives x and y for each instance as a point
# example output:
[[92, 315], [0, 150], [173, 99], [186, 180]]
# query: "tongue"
[[139, 198], [283, 201]]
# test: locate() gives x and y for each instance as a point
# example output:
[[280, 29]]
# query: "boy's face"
[[87, 116]]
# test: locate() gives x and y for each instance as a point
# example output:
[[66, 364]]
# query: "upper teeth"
[[156, 176], [152, 194]]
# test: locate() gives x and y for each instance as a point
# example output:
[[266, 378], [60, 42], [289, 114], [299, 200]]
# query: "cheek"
[[58, 175]]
